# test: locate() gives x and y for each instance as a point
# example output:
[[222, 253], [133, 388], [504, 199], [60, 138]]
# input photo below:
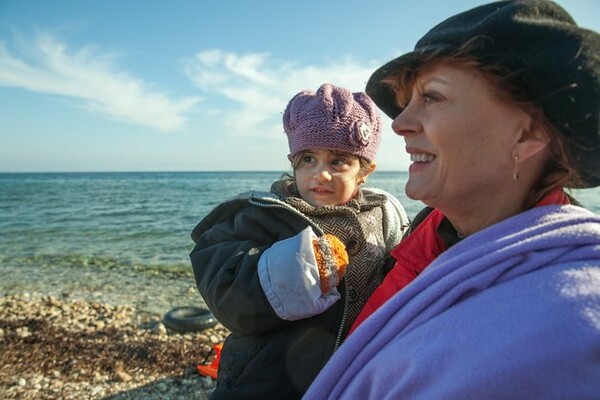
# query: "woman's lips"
[[422, 157]]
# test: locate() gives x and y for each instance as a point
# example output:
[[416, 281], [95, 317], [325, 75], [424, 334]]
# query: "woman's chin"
[[412, 191]]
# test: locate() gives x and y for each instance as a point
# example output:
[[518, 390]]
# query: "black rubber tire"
[[189, 319]]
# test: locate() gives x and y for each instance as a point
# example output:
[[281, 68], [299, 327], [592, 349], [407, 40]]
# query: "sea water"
[[133, 218]]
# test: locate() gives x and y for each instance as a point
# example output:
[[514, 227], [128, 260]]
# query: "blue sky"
[[188, 85]]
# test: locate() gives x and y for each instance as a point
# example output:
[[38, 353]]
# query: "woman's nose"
[[405, 123]]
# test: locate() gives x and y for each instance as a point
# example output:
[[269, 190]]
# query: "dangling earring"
[[516, 169]]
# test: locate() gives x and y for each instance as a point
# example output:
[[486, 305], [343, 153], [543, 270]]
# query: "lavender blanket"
[[512, 312]]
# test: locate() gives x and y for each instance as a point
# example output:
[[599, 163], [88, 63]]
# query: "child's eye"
[[339, 162], [308, 158]]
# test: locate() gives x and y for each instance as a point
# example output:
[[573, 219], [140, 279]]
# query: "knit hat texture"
[[543, 52], [333, 118]]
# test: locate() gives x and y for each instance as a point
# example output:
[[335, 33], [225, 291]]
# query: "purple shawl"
[[512, 311]]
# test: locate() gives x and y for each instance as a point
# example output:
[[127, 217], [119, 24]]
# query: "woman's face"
[[460, 137], [327, 178]]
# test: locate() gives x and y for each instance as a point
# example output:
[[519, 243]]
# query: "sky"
[[191, 85]]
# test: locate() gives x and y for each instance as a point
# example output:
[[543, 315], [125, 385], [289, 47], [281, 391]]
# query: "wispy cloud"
[[46, 65], [261, 86]]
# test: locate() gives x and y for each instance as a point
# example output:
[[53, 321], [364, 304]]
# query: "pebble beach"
[[84, 332]]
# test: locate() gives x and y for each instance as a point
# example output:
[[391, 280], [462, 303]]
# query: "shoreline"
[[148, 290]]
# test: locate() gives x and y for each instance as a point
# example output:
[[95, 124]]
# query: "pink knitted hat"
[[333, 118]]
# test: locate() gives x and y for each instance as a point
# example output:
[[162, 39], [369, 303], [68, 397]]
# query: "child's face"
[[326, 178]]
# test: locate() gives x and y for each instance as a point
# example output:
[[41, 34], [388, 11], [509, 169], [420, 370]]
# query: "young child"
[[270, 265]]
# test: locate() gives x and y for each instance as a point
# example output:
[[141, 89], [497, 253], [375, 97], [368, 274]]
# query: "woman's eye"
[[429, 97], [307, 159]]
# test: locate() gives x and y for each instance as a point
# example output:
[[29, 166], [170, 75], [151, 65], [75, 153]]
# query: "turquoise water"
[[141, 219]]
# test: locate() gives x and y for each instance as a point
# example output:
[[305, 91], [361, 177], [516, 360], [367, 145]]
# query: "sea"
[[59, 224], [127, 218]]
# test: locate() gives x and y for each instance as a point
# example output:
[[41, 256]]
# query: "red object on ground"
[[212, 368]]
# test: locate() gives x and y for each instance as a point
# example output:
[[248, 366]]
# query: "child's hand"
[[332, 261], [299, 275]]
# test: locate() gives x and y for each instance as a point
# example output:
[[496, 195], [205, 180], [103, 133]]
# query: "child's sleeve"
[[299, 275], [229, 244], [243, 259]]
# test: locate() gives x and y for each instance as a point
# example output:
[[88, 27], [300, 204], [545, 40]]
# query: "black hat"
[[554, 61]]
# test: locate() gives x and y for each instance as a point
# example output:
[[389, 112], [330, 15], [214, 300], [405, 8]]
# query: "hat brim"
[[382, 93]]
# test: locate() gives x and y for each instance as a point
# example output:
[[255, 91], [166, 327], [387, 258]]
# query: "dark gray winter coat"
[[266, 356]]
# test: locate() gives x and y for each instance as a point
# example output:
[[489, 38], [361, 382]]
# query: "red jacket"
[[417, 251]]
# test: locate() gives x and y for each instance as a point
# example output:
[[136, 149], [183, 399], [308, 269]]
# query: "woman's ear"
[[531, 142]]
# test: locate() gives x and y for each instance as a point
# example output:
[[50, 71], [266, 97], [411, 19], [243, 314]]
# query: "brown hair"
[[559, 170]]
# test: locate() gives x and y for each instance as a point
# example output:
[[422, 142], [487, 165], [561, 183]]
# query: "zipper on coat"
[[338, 339]]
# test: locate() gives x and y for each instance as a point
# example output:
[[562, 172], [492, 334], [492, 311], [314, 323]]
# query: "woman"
[[496, 291]]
